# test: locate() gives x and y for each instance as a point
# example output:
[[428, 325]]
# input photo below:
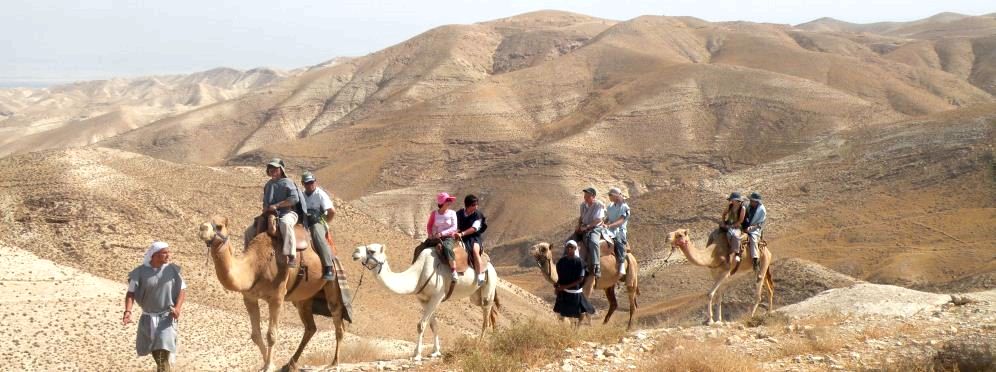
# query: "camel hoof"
[[435, 354], [417, 358], [266, 368]]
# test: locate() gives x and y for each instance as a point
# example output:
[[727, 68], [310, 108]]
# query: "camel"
[[610, 276], [719, 265], [255, 274], [429, 279]]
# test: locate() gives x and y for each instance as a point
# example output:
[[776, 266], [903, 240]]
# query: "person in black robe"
[[571, 302]]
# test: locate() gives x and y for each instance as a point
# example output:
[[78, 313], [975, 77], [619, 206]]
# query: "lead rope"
[[358, 285]]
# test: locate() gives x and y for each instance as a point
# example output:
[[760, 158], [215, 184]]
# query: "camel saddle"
[[464, 260], [604, 250], [301, 235], [745, 251]]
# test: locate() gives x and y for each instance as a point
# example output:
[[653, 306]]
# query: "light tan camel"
[[429, 279], [610, 276], [255, 274], [719, 264]]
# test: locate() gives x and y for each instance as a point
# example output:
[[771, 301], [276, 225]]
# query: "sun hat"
[[616, 191], [734, 196], [590, 190], [755, 196], [443, 197]]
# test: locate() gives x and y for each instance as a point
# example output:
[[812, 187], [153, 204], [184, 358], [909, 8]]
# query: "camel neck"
[[692, 254], [404, 282], [232, 271], [549, 270]]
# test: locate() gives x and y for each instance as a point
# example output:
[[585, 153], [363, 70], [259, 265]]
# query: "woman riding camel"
[[733, 218], [442, 228]]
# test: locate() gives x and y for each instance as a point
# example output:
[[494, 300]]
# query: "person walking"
[[158, 288]]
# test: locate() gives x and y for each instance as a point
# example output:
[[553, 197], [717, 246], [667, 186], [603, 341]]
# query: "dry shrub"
[[770, 320], [701, 357], [876, 332], [524, 345], [818, 337], [362, 350]]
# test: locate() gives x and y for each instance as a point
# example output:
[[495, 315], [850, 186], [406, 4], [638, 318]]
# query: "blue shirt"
[[613, 213]]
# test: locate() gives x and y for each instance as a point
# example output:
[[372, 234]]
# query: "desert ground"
[[872, 145]]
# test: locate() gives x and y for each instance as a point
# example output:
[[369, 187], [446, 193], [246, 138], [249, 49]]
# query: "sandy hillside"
[[95, 211], [87, 112]]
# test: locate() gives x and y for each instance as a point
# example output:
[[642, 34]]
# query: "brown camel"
[[256, 274], [719, 264], [610, 276]]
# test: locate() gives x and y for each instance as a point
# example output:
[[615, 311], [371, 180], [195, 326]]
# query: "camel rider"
[[159, 290], [281, 197], [617, 216], [753, 226], [442, 227], [733, 218], [320, 211], [470, 225], [590, 227]]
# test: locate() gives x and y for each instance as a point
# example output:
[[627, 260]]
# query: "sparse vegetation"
[[701, 357], [360, 350], [525, 344]]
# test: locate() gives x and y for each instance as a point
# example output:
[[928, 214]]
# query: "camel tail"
[[494, 312]]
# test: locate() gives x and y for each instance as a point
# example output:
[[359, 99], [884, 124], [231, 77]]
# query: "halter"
[[217, 235], [377, 264]]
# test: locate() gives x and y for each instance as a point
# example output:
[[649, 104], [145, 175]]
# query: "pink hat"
[[443, 197]]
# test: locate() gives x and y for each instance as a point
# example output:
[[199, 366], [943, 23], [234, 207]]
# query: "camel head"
[[370, 256], [217, 227], [677, 239], [541, 253]]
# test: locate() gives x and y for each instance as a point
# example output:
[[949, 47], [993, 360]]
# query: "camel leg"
[[588, 285], [271, 331], [631, 292], [719, 306], [428, 311], [436, 347], [252, 306], [610, 294], [308, 319], [333, 297], [720, 278]]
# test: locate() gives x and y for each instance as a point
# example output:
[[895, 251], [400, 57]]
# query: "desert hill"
[[96, 210], [83, 113]]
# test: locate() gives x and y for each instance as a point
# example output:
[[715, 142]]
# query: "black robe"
[[569, 270]]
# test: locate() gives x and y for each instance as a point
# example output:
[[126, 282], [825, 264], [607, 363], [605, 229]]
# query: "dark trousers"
[[447, 243], [318, 231]]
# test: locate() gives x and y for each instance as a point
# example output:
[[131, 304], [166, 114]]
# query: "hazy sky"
[[56, 40]]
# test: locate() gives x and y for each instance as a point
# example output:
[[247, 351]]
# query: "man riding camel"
[[320, 211], [590, 227], [753, 226], [282, 198], [617, 216]]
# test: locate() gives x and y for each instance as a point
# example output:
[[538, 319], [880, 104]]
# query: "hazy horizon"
[[61, 42]]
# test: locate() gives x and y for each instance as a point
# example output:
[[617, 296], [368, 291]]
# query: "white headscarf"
[[577, 252], [155, 247]]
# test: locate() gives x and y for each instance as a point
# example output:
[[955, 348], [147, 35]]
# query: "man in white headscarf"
[[158, 288]]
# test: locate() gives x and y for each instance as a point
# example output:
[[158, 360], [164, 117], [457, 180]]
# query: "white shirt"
[[317, 199]]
